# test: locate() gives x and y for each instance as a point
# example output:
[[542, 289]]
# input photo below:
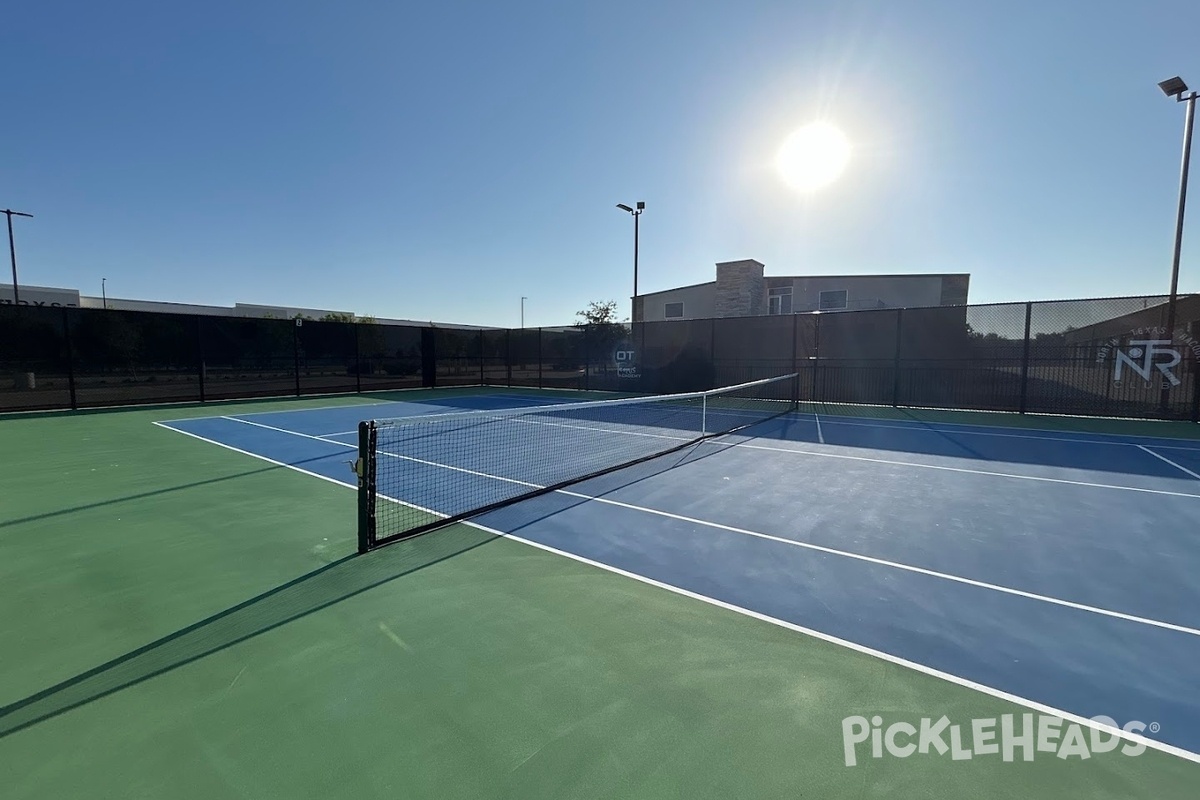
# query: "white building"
[[71, 298], [741, 290]]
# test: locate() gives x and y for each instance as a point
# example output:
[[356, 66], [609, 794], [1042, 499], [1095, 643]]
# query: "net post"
[[364, 467], [704, 415], [1025, 358], [482, 362], [539, 335]]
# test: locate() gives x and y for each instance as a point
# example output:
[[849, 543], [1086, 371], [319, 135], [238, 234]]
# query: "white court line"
[[914, 666], [999, 430], [965, 470], [963, 428], [843, 456], [348, 395], [781, 540], [1169, 461], [931, 428]]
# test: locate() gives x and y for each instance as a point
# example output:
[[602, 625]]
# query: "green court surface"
[[205, 631]]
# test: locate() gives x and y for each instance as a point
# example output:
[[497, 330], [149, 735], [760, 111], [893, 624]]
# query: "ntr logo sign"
[[1144, 356], [626, 358]]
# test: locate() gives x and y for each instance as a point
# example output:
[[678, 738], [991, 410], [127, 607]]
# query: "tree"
[[598, 313], [604, 332]]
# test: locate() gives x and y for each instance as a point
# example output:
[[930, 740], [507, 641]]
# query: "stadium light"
[[641, 206], [1173, 87], [12, 250]]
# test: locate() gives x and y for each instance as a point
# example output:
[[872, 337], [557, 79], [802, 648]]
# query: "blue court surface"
[[1059, 568]]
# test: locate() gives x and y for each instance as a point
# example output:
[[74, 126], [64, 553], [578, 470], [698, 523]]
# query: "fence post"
[[357, 359], [508, 359], [70, 357], [428, 357], [482, 362], [795, 358], [296, 353], [587, 358], [896, 358], [202, 368], [1025, 358], [1195, 391], [818, 376]]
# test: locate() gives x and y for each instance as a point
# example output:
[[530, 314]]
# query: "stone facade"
[[740, 289]]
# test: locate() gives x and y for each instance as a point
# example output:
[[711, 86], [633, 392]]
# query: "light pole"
[[1176, 88], [523, 299], [104, 291], [12, 250], [636, 214]]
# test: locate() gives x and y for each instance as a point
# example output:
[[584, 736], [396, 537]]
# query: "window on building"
[[673, 310], [779, 300], [833, 300]]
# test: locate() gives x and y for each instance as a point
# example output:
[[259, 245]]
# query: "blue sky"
[[439, 160]]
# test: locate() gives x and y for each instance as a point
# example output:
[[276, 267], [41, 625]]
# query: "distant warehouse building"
[[741, 290]]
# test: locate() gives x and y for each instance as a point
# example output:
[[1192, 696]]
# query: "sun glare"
[[813, 157]]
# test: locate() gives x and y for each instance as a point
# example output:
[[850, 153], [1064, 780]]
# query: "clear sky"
[[438, 160]]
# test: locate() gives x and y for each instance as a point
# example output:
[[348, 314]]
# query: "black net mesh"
[[247, 357], [494, 367], [458, 354], [749, 348], [35, 364], [1117, 357], [525, 354], [1113, 356], [328, 357], [564, 357], [857, 356], [961, 354], [125, 357], [675, 356], [389, 357], [425, 470]]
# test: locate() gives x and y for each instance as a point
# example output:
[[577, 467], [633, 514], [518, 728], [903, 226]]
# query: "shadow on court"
[[155, 492], [309, 593], [305, 595]]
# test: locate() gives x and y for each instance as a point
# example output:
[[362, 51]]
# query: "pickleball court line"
[[881, 655], [770, 537]]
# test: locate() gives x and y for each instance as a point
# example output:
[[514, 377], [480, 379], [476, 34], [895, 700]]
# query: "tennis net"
[[421, 472]]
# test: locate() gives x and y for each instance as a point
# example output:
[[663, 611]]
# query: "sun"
[[813, 157]]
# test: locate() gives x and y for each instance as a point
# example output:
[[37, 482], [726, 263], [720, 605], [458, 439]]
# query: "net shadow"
[[298, 598]]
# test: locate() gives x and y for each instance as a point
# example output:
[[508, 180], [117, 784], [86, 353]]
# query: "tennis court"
[[182, 586]]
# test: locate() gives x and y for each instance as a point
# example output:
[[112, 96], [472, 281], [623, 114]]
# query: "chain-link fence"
[[1109, 357]]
